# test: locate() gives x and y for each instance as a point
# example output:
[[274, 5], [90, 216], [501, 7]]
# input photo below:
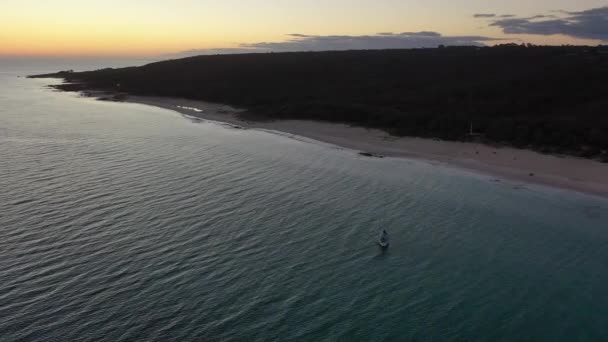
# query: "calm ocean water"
[[122, 222]]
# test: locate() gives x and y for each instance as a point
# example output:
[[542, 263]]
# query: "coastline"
[[577, 174]]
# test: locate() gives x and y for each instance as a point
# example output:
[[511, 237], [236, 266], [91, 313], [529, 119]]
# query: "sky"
[[165, 27]]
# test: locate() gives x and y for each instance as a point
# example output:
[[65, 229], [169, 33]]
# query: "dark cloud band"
[[385, 40], [484, 15], [589, 24]]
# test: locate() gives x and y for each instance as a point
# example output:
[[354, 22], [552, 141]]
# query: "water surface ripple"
[[122, 222]]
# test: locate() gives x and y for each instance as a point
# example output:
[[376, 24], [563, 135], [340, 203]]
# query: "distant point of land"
[[551, 99]]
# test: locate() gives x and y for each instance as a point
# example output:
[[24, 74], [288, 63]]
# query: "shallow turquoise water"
[[123, 222]]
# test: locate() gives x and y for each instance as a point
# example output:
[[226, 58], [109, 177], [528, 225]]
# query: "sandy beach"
[[571, 173]]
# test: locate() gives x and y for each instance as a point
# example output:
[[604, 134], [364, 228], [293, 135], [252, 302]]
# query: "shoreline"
[[564, 172]]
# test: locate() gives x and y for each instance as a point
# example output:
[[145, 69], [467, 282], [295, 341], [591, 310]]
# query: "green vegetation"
[[553, 99]]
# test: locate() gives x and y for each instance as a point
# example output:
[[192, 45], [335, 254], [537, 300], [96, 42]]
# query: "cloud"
[[588, 24], [421, 34], [542, 16], [299, 35], [484, 15], [384, 40], [197, 52]]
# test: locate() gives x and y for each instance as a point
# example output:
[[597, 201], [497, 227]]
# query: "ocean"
[[125, 222]]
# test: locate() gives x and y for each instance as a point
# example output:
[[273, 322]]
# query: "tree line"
[[552, 99]]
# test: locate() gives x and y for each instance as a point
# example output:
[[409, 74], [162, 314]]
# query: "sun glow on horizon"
[[155, 27]]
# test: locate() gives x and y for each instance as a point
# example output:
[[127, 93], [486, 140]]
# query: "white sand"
[[564, 172]]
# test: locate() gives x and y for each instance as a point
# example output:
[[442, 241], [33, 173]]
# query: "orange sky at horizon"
[[156, 27]]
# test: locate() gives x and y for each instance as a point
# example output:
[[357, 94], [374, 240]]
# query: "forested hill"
[[553, 99]]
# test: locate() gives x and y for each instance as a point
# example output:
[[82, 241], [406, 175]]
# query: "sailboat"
[[383, 239]]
